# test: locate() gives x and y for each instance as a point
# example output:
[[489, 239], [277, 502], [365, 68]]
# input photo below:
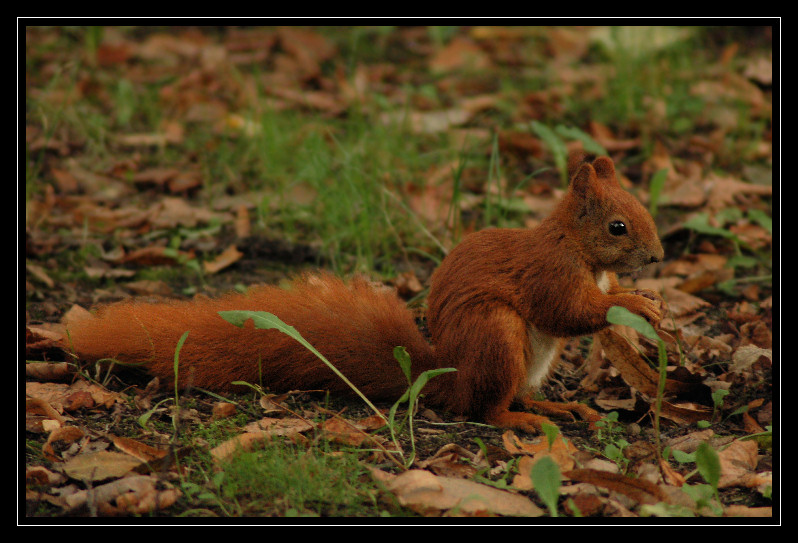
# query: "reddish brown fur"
[[485, 298], [356, 326]]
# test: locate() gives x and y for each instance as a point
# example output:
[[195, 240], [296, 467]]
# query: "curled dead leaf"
[[637, 489], [137, 449], [63, 435], [47, 371], [136, 494], [226, 258]]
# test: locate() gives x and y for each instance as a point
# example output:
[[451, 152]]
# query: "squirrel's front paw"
[[646, 293], [646, 305]]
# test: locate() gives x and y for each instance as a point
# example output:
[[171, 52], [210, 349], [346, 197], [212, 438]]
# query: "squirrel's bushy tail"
[[356, 325]]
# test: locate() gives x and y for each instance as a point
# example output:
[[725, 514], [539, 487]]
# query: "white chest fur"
[[543, 352], [603, 282]]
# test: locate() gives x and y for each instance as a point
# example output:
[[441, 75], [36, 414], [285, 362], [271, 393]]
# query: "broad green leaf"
[[621, 315], [546, 479]]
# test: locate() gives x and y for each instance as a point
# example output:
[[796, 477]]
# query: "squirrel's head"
[[616, 231]]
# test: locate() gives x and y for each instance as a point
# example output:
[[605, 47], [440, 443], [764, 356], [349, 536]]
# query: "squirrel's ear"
[[584, 179], [576, 158], [605, 169]]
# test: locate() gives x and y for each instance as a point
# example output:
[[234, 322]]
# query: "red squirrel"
[[500, 308]]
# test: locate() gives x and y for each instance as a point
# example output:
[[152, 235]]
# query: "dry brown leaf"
[[136, 494], [148, 287], [637, 489], [172, 212], [39, 273], [101, 465], [560, 447], [61, 395], [428, 122], [686, 413], [242, 222], [737, 463], [155, 176], [258, 432], [243, 442], [137, 449], [40, 416], [604, 136], [223, 410], [451, 460], [689, 443], [42, 476], [46, 398], [428, 494], [750, 425], [341, 431], [407, 284], [64, 435], [459, 54], [708, 348], [681, 303], [47, 371], [635, 371], [151, 256], [723, 191], [745, 511], [100, 395], [746, 356], [226, 258]]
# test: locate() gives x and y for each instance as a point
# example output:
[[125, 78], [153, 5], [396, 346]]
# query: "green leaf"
[[265, 321], [551, 431], [717, 397], [700, 223], [401, 356], [620, 315], [546, 479], [556, 147], [655, 189], [588, 143], [708, 464], [762, 219]]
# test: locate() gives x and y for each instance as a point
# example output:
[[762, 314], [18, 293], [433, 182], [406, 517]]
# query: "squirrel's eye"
[[617, 228]]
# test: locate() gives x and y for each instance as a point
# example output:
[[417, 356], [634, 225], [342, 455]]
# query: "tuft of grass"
[[285, 480]]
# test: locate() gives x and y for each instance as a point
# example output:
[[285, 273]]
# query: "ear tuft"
[[584, 178], [576, 158], [605, 169]]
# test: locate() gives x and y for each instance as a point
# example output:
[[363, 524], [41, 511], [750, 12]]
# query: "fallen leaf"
[[637, 489], [428, 494], [737, 463], [451, 460], [101, 465], [340, 431], [746, 356], [46, 371], [258, 432], [137, 449], [427, 122], [686, 413], [136, 494], [64, 435], [561, 450], [223, 410], [226, 258], [459, 54], [745, 511]]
